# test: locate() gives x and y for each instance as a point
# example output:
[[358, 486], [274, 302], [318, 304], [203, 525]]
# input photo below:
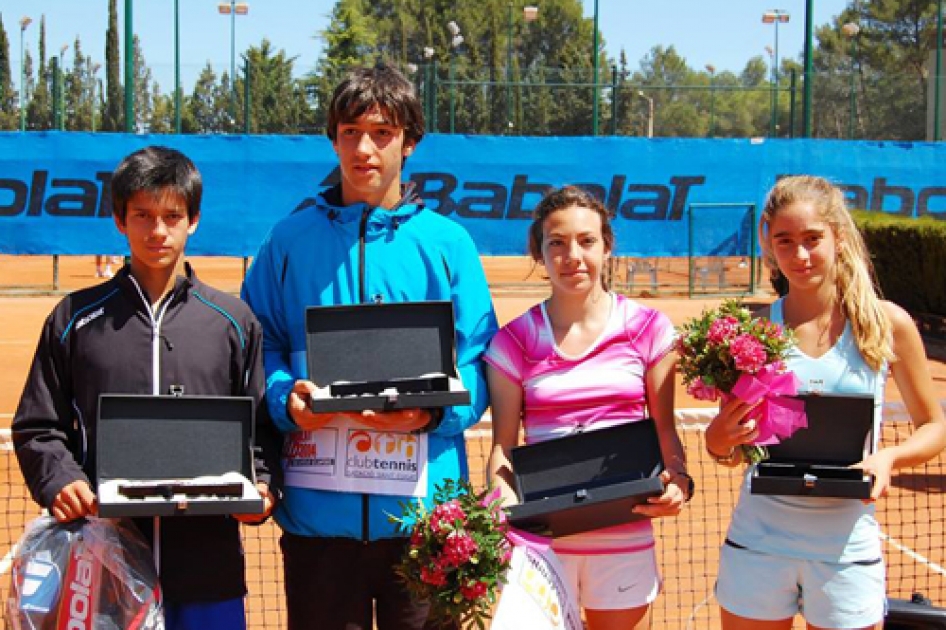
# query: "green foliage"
[[114, 115], [349, 41], [209, 104], [39, 113], [278, 102], [707, 346], [888, 58], [458, 554], [909, 256], [78, 91], [9, 117], [143, 86], [514, 77]]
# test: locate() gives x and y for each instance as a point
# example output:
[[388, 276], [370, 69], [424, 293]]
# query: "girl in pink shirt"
[[587, 359]]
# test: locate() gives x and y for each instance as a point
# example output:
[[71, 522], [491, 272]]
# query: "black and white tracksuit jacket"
[[106, 339]]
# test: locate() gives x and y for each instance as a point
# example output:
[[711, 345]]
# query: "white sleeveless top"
[[816, 528]]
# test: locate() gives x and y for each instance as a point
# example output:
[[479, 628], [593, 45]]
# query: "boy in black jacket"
[[151, 329]]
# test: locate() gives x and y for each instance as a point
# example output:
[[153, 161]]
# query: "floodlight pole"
[[939, 71], [594, 62], [24, 23], [809, 73], [177, 67]]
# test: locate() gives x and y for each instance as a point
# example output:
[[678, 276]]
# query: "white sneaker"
[[108, 273], [99, 273]]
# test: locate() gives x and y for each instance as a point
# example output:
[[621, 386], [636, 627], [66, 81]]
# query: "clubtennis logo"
[[382, 455]]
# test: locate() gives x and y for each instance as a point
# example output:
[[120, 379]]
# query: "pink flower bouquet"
[[458, 553], [725, 352]]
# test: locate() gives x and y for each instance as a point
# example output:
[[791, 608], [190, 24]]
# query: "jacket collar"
[[182, 283], [330, 202]]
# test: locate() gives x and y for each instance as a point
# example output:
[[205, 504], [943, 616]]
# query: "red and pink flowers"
[[458, 554], [726, 352]]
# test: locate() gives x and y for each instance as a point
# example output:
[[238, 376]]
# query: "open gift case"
[[175, 455], [587, 480], [383, 357], [816, 461]]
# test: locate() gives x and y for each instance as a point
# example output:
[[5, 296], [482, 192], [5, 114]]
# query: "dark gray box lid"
[[588, 480], [382, 342], [815, 461], [144, 438]]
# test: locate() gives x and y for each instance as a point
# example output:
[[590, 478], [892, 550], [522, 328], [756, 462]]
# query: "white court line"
[[932, 566], [7, 561], [6, 444]]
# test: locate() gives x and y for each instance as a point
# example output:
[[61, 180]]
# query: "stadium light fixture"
[[233, 9], [776, 17], [851, 30]]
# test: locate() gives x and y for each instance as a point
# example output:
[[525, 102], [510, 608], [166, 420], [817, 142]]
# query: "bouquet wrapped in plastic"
[[91, 574], [725, 352], [458, 553]]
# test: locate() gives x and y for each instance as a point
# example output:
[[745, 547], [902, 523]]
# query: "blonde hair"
[[854, 278]]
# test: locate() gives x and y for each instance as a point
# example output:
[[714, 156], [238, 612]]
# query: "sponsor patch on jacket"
[[91, 317]]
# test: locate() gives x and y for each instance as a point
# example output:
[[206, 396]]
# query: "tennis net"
[[913, 518]]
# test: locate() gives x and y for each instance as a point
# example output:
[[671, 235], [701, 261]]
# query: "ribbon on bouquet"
[[779, 416]]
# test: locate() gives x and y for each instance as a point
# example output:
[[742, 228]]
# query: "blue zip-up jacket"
[[329, 254]]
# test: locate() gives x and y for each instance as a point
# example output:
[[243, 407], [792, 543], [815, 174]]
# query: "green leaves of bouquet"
[[458, 553], [720, 346]]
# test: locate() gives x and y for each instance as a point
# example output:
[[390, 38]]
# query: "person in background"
[[586, 359], [822, 557], [103, 265]]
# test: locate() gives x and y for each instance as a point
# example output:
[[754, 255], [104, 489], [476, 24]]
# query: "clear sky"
[[725, 33]]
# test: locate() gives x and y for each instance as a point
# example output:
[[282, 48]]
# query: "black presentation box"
[[383, 356], [815, 461], [914, 614], [586, 481], [175, 455]]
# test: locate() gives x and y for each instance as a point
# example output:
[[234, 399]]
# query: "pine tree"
[[162, 112], [39, 113], [143, 88], [207, 107], [350, 41], [8, 96], [278, 103], [78, 93], [114, 114]]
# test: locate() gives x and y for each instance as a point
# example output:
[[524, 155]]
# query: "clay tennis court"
[[913, 516]]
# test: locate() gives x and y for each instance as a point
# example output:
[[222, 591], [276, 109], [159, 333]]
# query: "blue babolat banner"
[[54, 187]]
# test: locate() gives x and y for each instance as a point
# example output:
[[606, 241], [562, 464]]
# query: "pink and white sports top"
[[602, 387]]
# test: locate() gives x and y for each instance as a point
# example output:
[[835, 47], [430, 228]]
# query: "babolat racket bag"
[[91, 574]]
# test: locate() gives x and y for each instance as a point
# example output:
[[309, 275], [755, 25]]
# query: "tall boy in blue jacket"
[[367, 240]]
